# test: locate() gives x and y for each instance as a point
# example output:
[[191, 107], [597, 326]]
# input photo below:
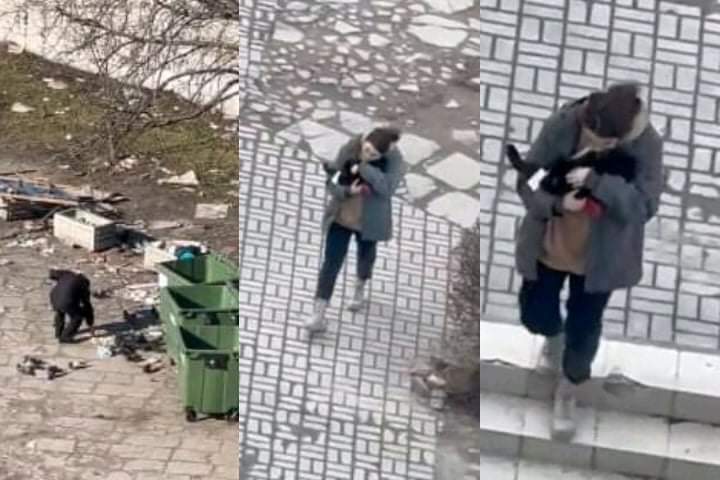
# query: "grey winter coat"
[[377, 207], [614, 257]]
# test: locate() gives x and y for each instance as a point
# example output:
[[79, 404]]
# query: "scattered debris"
[[78, 365], [145, 294], [15, 49], [5, 262], [187, 179], [152, 365], [101, 294], [37, 367], [211, 211], [55, 84], [18, 107], [164, 225], [128, 163]]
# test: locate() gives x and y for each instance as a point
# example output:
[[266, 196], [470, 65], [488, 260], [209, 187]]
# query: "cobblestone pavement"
[[329, 70], [538, 54], [110, 421]]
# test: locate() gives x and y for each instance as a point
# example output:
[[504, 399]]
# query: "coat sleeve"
[[553, 138], [638, 201], [339, 192], [385, 183], [87, 307]]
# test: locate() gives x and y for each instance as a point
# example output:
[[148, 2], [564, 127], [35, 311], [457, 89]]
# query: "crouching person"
[[70, 297], [560, 241]]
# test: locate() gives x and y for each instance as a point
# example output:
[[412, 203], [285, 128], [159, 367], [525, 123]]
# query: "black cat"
[[346, 177], [609, 162]]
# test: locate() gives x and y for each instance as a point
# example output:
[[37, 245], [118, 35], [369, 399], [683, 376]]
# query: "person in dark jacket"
[[71, 297], [362, 209], [598, 250]]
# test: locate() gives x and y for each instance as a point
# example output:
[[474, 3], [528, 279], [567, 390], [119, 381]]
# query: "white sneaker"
[[358, 301], [317, 322], [552, 354], [564, 423]]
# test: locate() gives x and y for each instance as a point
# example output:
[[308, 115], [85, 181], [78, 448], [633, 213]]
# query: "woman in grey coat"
[[561, 238], [362, 209]]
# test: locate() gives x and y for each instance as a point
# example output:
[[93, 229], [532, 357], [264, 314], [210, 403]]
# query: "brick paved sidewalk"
[[340, 406], [110, 421]]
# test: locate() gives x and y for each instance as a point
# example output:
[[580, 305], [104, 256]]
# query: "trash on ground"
[[152, 365], [164, 225], [15, 48], [128, 163], [211, 211], [55, 84], [78, 365], [37, 367], [18, 107], [145, 294], [102, 293], [188, 179]]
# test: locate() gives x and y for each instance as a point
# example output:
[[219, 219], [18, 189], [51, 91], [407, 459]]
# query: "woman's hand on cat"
[[577, 176], [356, 188], [573, 204]]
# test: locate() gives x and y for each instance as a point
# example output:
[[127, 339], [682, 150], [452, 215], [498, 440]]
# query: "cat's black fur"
[[610, 162], [347, 178]]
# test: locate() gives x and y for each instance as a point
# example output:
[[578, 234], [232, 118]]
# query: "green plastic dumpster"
[[201, 305], [208, 371], [207, 269]]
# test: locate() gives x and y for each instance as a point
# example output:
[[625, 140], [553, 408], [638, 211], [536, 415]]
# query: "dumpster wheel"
[[233, 416], [190, 414]]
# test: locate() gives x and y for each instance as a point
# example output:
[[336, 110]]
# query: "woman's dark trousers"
[[337, 242], [540, 313]]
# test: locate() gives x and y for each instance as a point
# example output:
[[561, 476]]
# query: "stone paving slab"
[[110, 421], [338, 405], [539, 54]]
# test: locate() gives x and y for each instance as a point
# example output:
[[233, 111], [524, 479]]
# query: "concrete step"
[[495, 467], [606, 441], [628, 377]]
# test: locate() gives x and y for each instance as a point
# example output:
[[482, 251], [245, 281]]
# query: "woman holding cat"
[[361, 183], [600, 250]]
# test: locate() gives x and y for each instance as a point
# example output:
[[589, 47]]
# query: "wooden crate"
[[85, 229]]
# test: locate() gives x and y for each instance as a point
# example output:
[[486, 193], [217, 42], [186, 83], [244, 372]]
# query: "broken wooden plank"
[[46, 200]]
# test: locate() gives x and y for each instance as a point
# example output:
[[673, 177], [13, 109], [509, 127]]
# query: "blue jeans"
[[336, 247], [540, 313]]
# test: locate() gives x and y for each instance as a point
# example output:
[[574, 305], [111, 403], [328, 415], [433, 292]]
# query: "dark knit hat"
[[383, 138], [611, 113]]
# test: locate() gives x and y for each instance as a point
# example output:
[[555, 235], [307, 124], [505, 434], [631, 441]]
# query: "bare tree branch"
[[142, 48]]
